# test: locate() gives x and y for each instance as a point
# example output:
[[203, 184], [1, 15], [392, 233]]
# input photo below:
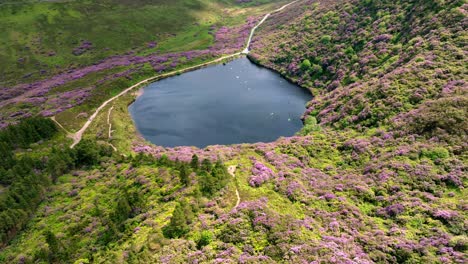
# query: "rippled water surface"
[[223, 104]]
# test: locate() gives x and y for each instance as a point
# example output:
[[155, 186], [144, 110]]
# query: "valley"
[[373, 168]]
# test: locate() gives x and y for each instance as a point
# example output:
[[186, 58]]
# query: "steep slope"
[[368, 61]]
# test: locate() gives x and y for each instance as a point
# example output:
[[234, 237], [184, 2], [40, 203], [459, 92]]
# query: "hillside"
[[376, 175], [64, 58]]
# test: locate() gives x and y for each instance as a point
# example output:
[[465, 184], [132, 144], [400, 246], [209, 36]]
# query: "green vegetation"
[[26, 132], [47, 35], [43, 35], [212, 178], [26, 177], [65, 58], [305, 65], [377, 175], [178, 226], [28, 181]]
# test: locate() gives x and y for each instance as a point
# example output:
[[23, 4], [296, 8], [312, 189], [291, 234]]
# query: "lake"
[[239, 102]]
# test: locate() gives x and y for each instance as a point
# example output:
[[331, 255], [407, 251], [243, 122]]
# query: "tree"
[[122, 210], [56, 166], [204, 238], [7, 160], [183, 175], [194, 162], [164, 160], [212, 178], [305, 65], [207, 183], [6, 177], [310, 125], [325, 39], [317, 69], [206, 165], [53, 243], [87, 152], [177, 227], [220, 175]]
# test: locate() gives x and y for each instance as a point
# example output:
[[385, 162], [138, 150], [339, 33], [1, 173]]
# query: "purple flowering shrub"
[[366, 74], [260, 174], [379, 178], [382, 179], [226, 41], [82, 48], [364, 209], [230, 40]]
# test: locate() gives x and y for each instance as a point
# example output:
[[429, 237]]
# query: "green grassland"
[[41, 35]]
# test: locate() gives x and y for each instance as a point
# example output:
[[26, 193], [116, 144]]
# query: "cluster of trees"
[[19, 200], [56, 250], [129, 204], [86, 153], [26, 132], [180, 220], [22, 135], [24, 178], [211, 178], [179, 225], [21, 186]]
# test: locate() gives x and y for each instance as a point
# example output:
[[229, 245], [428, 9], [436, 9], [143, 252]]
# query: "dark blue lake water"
[[222, 104]]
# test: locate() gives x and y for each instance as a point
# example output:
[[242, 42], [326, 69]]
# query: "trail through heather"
[[79, 134], [252, 32], [232, 171], [110, 127], [108, 122], [60, 125]]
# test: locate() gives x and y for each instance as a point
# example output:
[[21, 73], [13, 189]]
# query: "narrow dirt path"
[[109, 123], [246, 50], [252, 32], [232, 171], [60, 125], [110, 127], [79, 134]]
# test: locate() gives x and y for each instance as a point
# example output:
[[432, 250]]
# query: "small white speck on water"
[[272, 113], [289, 119], [237, 77]]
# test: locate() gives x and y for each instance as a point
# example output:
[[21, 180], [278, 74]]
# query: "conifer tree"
[[177, 227], [183, 175], [6, 155], [206, 181], [194, 162], [53, 243], [122, 210], [206, 165]]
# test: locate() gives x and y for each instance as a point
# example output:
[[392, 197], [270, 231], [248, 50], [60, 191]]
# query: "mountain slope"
[[377, 175]]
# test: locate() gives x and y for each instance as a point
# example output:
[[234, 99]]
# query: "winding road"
[[79, 134]]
